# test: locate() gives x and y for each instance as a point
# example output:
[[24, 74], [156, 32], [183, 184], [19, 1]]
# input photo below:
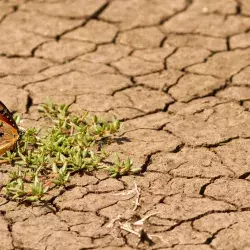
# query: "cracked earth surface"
[[178, 74]]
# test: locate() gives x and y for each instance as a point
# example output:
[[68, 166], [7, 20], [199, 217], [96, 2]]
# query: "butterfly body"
[[9, 132]]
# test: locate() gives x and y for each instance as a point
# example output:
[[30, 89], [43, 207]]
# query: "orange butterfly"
[[9, 132]]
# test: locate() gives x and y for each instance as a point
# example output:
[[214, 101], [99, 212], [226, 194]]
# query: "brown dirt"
[[178, 74]]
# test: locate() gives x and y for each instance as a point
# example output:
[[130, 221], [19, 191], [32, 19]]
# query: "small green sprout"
[[62, 174], [38, 190], [15, 189], [17, 174], [121, 168]]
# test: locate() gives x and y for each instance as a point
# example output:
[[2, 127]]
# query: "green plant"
[[45, 161], [120, 168]]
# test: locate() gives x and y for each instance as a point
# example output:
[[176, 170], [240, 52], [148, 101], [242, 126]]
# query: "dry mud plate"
[[177, 73]]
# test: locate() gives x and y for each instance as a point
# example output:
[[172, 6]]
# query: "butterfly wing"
[[8, 137], [6, 116], [9, 132]]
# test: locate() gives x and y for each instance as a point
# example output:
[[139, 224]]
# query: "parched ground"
[[177, 73]]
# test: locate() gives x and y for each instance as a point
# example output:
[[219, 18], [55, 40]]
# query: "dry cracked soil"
[[177, 73]]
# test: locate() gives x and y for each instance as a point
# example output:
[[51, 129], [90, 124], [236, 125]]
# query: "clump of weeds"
[[45, 161]]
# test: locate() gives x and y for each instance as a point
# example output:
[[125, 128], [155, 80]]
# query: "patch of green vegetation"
[[45, 161]]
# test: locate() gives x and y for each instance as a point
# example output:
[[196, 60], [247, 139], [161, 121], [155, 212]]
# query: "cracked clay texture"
[[177, 73]]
